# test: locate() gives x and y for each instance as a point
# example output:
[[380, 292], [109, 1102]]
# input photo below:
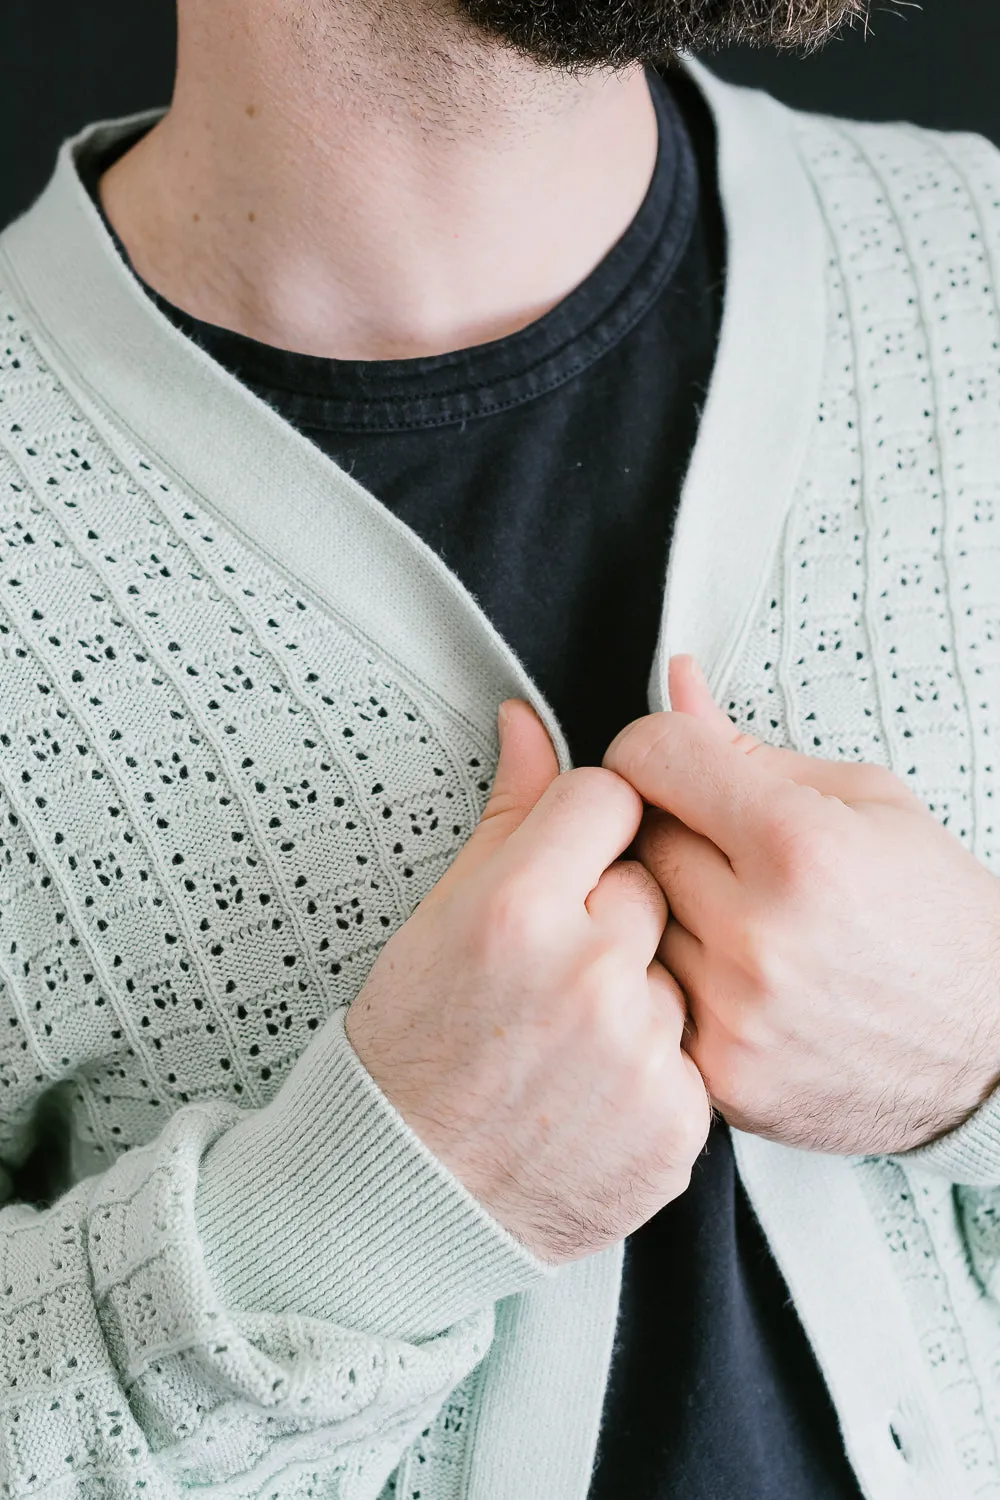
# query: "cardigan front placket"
[[141, 382]]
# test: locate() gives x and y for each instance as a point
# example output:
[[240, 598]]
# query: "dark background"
[[67, 62]]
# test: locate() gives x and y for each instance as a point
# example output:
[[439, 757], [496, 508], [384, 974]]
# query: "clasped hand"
[[799, 942], [838, 948]]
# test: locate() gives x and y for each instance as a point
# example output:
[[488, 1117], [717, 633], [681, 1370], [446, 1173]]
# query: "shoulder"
[[942, 179], [927, 193], [912, 217]]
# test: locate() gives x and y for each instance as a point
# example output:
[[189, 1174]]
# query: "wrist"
[[326, 1203]]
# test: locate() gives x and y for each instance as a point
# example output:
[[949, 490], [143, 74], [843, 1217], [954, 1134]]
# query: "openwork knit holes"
[[878, 638], [215, 804]]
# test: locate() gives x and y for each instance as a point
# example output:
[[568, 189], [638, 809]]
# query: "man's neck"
[[372, 179]]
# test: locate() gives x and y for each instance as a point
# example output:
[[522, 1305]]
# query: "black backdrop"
[[66, 62]]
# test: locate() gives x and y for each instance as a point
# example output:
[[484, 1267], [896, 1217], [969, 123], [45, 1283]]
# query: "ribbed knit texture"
[[217, 799], [877, 637], [215, 806]]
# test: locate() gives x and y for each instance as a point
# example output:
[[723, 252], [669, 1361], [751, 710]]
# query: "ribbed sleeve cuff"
[[327, 1204], [970, 1154]]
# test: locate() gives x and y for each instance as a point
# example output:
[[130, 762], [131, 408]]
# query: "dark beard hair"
[[573, 35]]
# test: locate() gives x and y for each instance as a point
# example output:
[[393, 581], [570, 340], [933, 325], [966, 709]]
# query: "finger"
[[668, 1000], [717, 1010], [577, 822], [526, 766], [581, 823], [683, 956], [851, 781], [628, 906], [672, 1016], [697, 879], [684, 767]]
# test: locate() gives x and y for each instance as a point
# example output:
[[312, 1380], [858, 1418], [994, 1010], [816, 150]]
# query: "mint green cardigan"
[[250, 717]]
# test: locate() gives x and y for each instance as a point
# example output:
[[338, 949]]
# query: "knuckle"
[[634, 878], [863, 781], [879, 784], [670, 1164], [805, 848], [638, 885], [515, 917], [603, 998], [754, 1032], [744, 1036], [754, 949], [676, 1101], [691, 1126]]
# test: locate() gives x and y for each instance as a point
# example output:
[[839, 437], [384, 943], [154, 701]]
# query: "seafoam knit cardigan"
[[247, 720]]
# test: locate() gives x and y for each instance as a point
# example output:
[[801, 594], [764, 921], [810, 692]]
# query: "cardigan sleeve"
[[250, 1291]]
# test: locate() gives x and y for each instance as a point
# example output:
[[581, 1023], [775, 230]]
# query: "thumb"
[[528, 764]]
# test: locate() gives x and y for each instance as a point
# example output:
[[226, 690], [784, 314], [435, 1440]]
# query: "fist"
[[521, 1023], [838, 948]]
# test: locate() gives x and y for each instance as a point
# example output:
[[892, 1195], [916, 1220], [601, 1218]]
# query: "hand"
[[839, 949], [520, 1023]]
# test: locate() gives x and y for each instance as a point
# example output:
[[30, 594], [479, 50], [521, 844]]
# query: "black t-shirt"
[[545, 468]]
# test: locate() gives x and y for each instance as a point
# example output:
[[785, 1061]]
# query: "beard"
[[573, 35]]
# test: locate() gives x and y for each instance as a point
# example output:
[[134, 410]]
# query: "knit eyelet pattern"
[[216, 804], [877, 639]]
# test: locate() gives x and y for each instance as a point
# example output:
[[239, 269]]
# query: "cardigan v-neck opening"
[[160, 403], [131, 368], [442, 390]]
